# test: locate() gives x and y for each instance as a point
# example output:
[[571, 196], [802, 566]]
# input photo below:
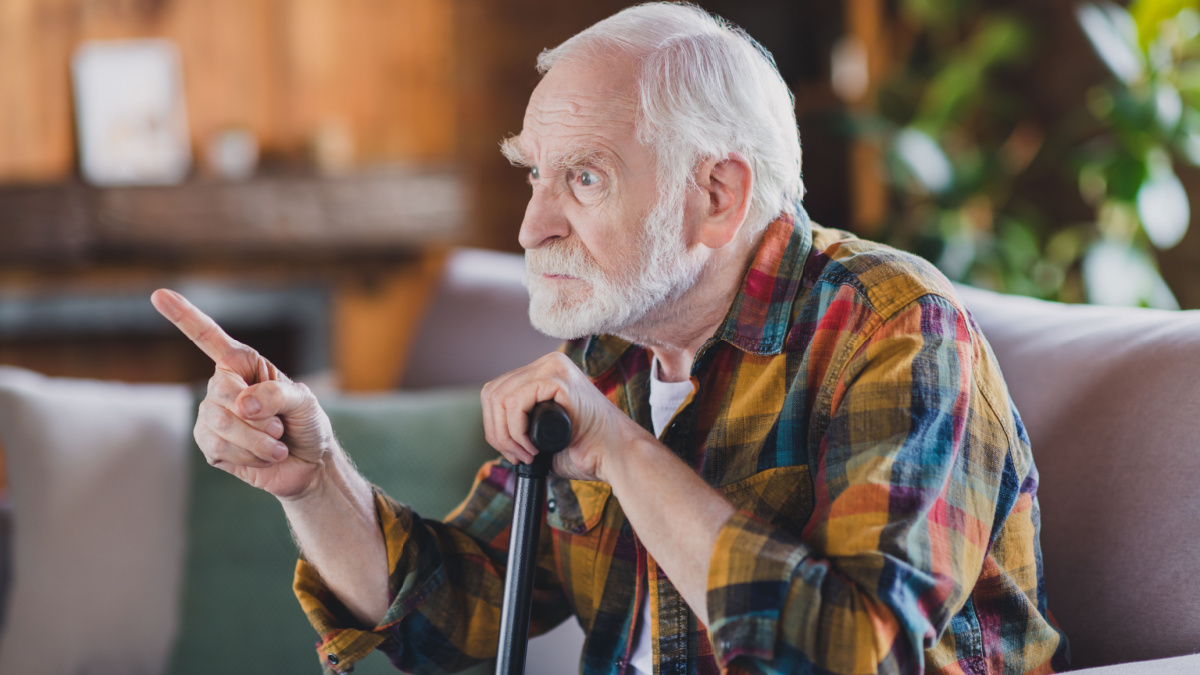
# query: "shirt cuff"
[[748, 579], [344, 641]]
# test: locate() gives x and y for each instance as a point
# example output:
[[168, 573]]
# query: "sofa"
[[128, 554]]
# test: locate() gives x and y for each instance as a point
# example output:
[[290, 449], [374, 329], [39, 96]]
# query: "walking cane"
[[550, 432]]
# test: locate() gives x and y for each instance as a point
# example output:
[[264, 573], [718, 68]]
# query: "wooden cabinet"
[[322, 275], [378, 75]]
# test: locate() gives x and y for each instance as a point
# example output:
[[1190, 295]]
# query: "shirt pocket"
[[782, 496], [575, 514], [575, 506]]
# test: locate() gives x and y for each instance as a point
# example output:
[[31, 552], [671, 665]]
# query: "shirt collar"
[[759, 317]]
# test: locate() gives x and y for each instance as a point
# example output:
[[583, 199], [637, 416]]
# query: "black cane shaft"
[[518, 581], [550, 432]]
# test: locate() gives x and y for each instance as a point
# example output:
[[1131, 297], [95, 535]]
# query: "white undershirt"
[[665, 399]]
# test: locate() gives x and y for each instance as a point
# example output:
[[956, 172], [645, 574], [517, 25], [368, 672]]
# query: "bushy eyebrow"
[[574, 158], [512, 151]]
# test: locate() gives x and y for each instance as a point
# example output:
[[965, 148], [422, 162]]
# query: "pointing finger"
[[196, 325]]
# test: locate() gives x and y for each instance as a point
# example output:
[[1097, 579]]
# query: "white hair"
[[707, 90]]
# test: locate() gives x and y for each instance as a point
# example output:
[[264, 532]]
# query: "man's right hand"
[[254, 422]]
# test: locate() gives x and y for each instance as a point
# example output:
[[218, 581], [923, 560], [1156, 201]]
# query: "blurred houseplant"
[[958, 147]]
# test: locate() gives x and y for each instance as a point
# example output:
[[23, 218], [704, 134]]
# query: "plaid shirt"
[[852, 411]]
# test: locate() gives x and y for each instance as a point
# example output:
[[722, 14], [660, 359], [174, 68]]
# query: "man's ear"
[[726, 185]]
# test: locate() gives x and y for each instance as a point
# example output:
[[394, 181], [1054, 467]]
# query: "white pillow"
[[97, 481]]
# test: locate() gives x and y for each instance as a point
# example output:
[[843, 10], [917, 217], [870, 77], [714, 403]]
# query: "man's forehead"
[[573, 105], [612, 78]]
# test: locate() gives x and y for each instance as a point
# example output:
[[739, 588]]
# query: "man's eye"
[[534, 173], [588, 178]]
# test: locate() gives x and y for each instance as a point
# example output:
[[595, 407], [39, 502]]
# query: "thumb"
[[273, 397]]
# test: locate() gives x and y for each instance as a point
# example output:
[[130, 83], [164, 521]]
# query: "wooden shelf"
[[382, 213]]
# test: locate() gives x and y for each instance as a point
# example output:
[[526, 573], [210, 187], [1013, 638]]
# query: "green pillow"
[[239, 613]]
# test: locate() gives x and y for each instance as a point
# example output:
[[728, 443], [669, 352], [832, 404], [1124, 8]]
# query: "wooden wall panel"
[[498, 47], [36, 142], [866, 21], [380, 72], [230, 66], [383, 68]]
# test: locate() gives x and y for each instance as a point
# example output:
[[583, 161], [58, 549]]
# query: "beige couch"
[[1111, 400], [99, 475]]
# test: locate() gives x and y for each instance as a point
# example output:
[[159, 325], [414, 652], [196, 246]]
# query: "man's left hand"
[[597, 426]]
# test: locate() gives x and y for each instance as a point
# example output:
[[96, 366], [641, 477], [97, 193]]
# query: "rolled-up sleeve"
[[906, 473], [445, 584]]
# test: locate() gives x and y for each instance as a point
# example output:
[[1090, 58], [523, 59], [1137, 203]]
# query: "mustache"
[[562, 258]]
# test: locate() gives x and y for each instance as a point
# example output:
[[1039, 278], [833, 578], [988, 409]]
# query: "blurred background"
[[301, 167]]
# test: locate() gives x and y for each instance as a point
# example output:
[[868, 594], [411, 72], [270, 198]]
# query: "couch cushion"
[[240, 615], [1110, 399], [97, 486]]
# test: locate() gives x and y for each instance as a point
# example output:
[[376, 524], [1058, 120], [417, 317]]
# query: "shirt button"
[[332, 658], [551, 505], [620, 664]]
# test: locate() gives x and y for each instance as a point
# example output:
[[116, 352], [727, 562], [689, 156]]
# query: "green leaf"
[[1148, 15], [949, 93], [1187, 78], [1188, 141], [999, 40], [957, 256], [1124, 276], [1093, 184], [1162, 203], [1114, 35], [924, 160], [1125, 177], [1020, 244], [937, 13], [1168, 107], [1065, 247]]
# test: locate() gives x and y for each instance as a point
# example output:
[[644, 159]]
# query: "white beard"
[[656, 272]]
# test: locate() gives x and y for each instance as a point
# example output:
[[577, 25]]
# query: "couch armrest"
[[1179, 665]]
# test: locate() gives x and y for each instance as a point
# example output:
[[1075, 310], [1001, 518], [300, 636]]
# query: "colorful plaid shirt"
[[851, 410]]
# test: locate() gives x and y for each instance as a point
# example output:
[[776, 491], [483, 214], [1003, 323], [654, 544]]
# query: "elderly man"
[[793, 450]]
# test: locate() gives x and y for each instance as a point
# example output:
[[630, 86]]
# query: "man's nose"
[[544, 220]]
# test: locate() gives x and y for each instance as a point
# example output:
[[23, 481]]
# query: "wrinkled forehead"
[[577, 105]]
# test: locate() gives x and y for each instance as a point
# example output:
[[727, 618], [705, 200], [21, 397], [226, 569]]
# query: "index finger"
[[196, 325]]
